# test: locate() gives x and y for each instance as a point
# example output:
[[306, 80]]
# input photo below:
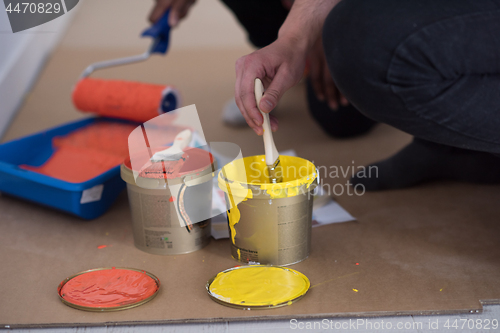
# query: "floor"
[[209, 32]]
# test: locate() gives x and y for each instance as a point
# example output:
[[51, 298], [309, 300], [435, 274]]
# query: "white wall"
[[22, 55], [102, 24]]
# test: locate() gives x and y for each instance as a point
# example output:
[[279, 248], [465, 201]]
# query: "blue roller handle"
[[160, 31]]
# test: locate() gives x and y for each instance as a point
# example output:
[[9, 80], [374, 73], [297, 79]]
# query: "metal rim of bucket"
[[108, 309], [256, 307], [258, 190], [191, 178]]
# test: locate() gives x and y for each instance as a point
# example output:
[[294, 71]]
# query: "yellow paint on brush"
[[259, 285]]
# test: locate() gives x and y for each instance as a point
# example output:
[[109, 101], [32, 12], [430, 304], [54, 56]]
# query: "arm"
[[281, 64]]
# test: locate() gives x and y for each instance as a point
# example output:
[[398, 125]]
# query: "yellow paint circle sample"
[[258, 286]]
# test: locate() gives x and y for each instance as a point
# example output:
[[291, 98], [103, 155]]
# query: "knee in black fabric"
[[345, 122], [352, 54], [407, 64], [359, 39], [261, 19]]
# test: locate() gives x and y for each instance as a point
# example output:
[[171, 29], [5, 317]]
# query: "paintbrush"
[[168, 162], [176, 151], [272, 156]]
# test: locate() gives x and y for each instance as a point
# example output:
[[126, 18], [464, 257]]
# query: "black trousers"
[[428, 67], [261, 19]]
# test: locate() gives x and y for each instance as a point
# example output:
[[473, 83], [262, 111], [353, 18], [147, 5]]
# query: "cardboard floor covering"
[[430, 249]]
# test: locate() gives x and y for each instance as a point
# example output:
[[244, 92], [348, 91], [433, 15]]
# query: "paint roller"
[[135, 101]]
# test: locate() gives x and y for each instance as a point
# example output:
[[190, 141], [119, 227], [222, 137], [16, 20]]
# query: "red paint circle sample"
[[108, 288]]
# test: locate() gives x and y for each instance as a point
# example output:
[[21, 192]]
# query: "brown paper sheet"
[[425, 250]]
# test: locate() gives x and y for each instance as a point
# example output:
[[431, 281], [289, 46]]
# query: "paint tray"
[[88, 199]]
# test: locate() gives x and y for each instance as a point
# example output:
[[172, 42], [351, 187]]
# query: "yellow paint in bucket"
[[258, 286], [269, 222], [297, 173]]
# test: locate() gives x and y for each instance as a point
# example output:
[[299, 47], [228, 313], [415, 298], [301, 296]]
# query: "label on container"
[[244, 254], [294, 231], [92, 194]]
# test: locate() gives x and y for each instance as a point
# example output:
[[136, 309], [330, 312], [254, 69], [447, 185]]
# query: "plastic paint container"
[[258, 287], [269, 223], [155, 205]]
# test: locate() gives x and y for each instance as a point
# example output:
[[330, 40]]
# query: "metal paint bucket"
[[155, 209], [269, 223]]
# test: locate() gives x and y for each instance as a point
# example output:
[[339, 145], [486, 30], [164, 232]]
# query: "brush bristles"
[[158, 157], [275, 172], [163, 169]]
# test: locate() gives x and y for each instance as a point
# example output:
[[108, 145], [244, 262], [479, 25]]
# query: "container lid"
[[195, 164], [258, 287], [108, 289]]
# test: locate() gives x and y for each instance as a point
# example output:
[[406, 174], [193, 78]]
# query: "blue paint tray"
[[87, 200]]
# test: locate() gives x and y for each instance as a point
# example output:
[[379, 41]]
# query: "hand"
[[179, 10], [280, 66], [321, 79]]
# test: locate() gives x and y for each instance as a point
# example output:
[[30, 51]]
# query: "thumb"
[[275, 91], [159, 9]]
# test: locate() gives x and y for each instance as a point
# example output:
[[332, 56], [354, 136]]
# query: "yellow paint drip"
[[259, 286], [233, 215]]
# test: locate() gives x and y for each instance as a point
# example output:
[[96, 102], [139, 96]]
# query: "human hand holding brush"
[[281, 64], [278, 69]]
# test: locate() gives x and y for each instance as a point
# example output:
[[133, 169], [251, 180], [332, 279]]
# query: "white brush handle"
[[269, 146], [182, 139]]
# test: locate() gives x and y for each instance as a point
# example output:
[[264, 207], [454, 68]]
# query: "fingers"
[[331, 92], [287, 4], [316, 77], [180, 8], [159, 9], [323, 85], [247, 94], [321, 79], [241, 102], [183, 11], [334, 96], [278, 67], [281, 82], [343, 99]]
